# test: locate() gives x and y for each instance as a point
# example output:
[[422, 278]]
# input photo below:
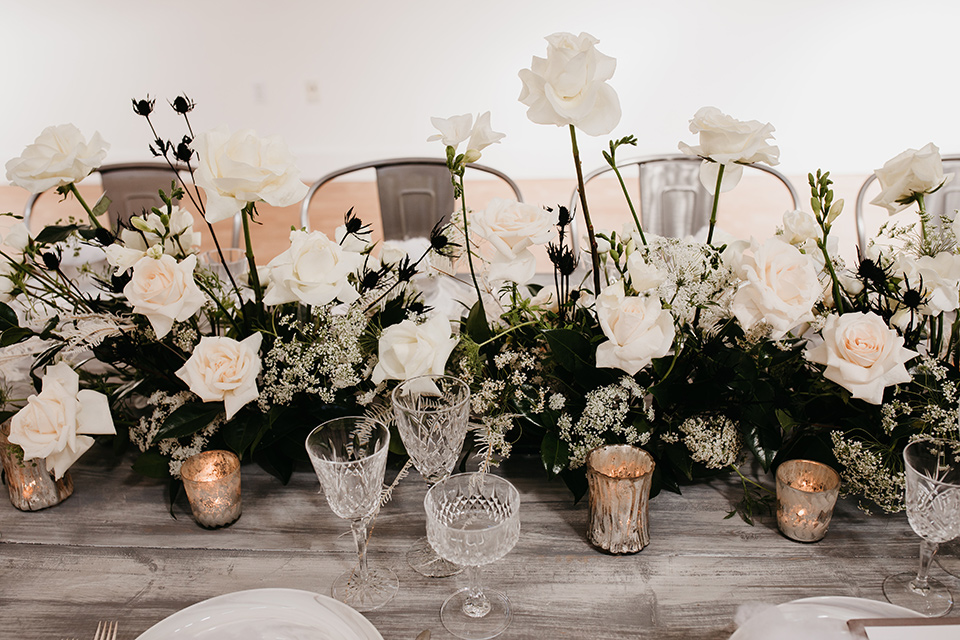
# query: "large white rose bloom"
[[59, 156]]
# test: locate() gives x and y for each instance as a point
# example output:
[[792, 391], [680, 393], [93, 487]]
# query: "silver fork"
[[106, 631]]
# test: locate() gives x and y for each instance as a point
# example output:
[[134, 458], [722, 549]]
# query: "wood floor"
[[754, 208]]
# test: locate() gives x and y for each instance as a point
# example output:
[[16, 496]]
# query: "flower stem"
[[716, 204], [507, 331], [594, 252], [247, 212], [466, 241], [633, 211], [924, 221], [83, 203]]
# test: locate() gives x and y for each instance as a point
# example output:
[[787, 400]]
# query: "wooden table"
[[112, 551]]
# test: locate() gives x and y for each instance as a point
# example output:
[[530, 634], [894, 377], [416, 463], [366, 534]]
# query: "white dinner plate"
[[823, 617], [265, 614]]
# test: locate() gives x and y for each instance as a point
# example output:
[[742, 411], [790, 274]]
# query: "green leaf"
[[152, 465], [55, 233], [570, 349], [8, 317], [241, 432], [188, 419], [576, 481], [477, 327], [554, 453], [276, 464], [101, 207], [13, 335]]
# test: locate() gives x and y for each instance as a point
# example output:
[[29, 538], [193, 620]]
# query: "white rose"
[[392, 252], [313, 271], [910, 173], [224, 369], [407, 350], [164, 290], [638, 329], [59, 156], [570, 86], [799, 226], [512, 227], [643, 275], [49, 426], [862, 355], [780, 287], [731, 143], [940, 276], [240, 168]]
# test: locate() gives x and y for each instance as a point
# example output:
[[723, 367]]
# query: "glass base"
[[366, 592], [424, 560], [935, 601], [458, 619], [948, 557]]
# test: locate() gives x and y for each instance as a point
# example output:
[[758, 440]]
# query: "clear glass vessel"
[[349, 456], [432, 414], [473, 519]]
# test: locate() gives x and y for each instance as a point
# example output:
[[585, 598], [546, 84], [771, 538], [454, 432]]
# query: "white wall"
[[848, 84]]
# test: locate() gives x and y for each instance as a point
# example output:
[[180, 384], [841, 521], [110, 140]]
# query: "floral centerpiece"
[[189, 359], [708, 353]]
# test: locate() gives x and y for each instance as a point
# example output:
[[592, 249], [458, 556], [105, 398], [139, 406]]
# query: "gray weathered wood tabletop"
[[112, 551]]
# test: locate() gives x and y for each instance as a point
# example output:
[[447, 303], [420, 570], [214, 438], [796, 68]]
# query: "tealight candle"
[[619, 478], [806, 494], [212, 482]]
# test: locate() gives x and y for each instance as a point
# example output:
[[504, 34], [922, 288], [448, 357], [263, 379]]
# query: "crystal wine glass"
[[473, 519], [932, 469], [432, 414], [350, 456]]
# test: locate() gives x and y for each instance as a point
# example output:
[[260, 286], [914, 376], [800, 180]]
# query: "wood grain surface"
[[112, 551]]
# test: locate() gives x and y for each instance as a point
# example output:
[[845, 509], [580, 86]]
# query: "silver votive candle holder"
[[619, 479], [806, 494], [212, 482]]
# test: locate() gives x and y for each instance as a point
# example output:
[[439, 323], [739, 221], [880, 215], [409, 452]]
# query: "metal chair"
[[673, 202], [414, 193], [132, 187], [946, 199]]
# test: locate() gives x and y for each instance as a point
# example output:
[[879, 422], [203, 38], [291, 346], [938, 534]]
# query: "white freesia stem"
[[466, 241], [594, 251]]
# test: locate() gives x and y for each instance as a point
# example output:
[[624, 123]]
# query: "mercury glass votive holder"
[[619, 478], [212, 482], [806, 494]]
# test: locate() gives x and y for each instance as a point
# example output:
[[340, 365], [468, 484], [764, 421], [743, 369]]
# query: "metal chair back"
[[673, 202], [132, 188], [414, 193]]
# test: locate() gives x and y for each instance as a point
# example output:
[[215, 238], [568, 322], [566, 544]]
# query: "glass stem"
[[359, 529], [927, 550], [475, 604]]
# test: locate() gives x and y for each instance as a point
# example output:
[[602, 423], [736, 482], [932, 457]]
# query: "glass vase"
[[31, 486]]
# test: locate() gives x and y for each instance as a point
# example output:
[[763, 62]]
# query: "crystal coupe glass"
[[932, 469], [432, 415], [473, 519], [350, 457]]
